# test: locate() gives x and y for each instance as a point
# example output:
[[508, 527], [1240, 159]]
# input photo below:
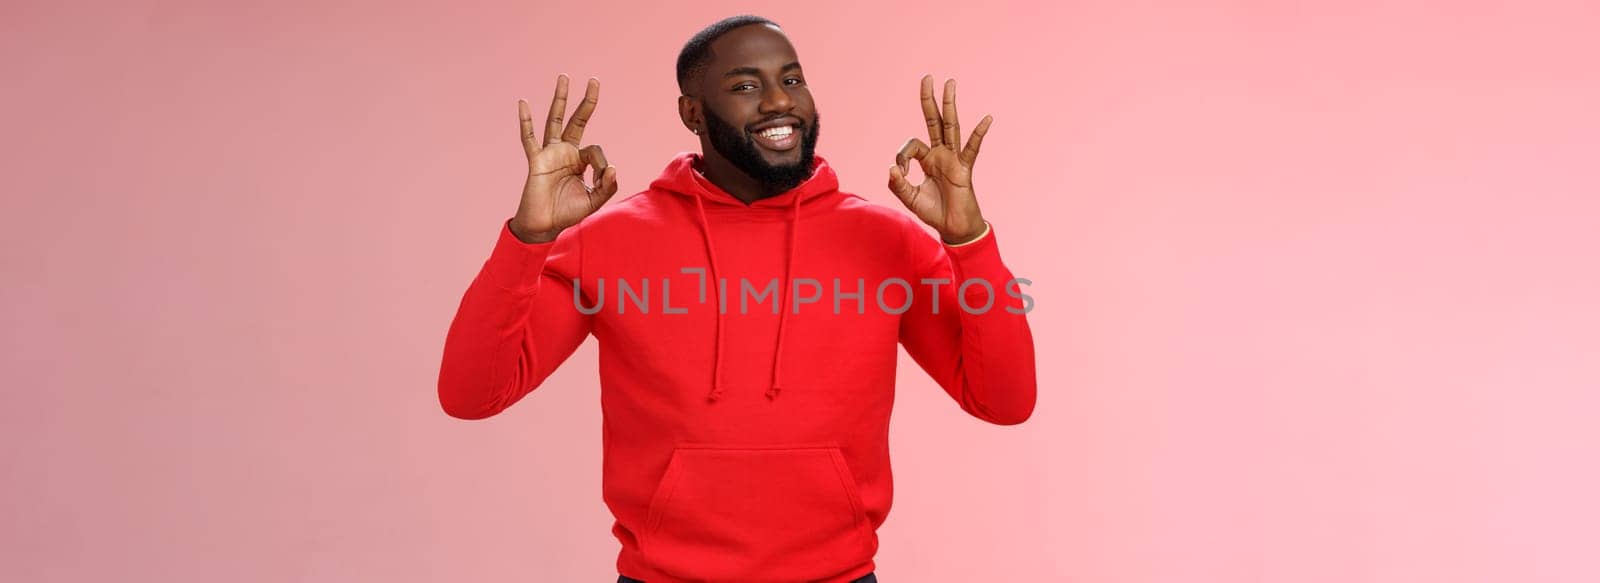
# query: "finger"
[[593, 156], [902, 188], [558, 108], [914, 148], [930, 111], [580, 118], [952, 126], [525, 116], [969, 155], [607, 187]]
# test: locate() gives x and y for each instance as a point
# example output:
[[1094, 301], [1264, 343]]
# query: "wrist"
[[967, 238], [532, 237]]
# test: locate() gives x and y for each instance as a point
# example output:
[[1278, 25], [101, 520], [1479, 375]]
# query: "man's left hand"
[[944, 200]]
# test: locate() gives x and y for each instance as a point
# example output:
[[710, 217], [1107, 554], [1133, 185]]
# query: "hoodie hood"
[[681, 178]]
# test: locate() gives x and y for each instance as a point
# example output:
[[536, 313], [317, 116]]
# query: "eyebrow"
[[737, 71]]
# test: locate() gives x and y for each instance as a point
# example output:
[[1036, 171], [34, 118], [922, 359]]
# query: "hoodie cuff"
[[515, 265], [979, 259], [985, 233], [983, 246]]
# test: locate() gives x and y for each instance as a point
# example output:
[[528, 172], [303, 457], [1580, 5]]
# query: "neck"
[[731, 179]]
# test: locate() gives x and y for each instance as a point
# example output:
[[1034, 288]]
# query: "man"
[[746, 418]]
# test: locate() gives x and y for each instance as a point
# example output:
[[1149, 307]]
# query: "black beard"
[[740, 148]]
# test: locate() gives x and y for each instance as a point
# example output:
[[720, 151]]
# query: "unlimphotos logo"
[[808, 290]]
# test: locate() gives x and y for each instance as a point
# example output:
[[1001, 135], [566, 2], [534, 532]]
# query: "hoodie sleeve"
[[516, 323], [982, 357]]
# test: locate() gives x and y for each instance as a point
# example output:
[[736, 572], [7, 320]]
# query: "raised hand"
[[555, 196], [944, 200]]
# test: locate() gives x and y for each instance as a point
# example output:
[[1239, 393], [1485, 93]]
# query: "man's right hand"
[[555, 196]]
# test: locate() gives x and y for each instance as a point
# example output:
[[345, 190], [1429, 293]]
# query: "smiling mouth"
[[778, 139]]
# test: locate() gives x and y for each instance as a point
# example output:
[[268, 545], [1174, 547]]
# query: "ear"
[[689, 113]]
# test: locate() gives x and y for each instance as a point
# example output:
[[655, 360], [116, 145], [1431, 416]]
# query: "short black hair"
[[696, 53]]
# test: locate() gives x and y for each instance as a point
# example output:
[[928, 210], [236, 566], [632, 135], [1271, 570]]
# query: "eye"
[[796, 80], [741, 86]]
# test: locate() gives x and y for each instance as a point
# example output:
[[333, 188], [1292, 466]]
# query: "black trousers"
[[867, 578]]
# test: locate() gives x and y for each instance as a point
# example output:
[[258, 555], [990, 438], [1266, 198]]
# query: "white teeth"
[[777, 132]]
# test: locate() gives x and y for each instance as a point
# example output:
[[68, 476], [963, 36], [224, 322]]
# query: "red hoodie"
[[749, 444]]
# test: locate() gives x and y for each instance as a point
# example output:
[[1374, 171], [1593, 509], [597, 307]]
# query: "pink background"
[[1316, 284]]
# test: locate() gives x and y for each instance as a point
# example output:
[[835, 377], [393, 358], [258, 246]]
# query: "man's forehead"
[[759, 46]]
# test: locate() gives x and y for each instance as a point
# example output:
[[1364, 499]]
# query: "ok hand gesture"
[[555, 196], [944, 200]]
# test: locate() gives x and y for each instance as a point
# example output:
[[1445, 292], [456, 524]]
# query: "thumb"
[[605, 187], [902, 188]]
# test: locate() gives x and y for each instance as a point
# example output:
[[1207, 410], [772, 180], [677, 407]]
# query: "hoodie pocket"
[[740, 513]]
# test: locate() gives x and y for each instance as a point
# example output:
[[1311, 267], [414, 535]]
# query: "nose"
[[776, 100]]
